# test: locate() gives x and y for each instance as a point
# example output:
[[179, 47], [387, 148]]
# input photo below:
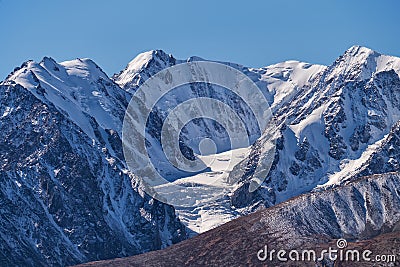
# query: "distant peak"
[[48, 59], [83, 64], [159, 52], [82, 61], [145, 58], [357, 55], [357, 63], [49, 63], [359, 50], [142, 67], [194, 58]]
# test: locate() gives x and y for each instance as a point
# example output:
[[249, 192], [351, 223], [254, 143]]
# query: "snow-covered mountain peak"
[[360, 56], [142, 67], [333, 123], [78, 88], [359, 63], [144, 59], [358, 50], [49, 62], [149, 63], [84, 68], [292, 70], [283, 80]]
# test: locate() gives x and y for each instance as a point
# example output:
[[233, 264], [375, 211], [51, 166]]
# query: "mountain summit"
[[67, 196], [142, 67]]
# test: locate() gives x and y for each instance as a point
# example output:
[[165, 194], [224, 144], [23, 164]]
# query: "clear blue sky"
[[253, 33]]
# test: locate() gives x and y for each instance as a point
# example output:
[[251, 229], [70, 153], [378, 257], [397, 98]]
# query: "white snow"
[[349, 167], [385, 63], [56, 171], [140, 61], [7, 111], [366, 61], [72, 87], [283, 80], [135, 67], [315, 119], [213, 209]]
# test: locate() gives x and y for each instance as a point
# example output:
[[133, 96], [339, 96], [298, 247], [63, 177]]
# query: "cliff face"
[[67, 196]]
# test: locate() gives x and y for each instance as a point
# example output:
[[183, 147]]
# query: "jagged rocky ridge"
[[66, 195], [337, 127]]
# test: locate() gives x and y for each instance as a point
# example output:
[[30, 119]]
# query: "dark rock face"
[[65, 198], [386, 158]]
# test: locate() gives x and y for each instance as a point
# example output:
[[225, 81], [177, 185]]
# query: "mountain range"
[[68, 196]]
